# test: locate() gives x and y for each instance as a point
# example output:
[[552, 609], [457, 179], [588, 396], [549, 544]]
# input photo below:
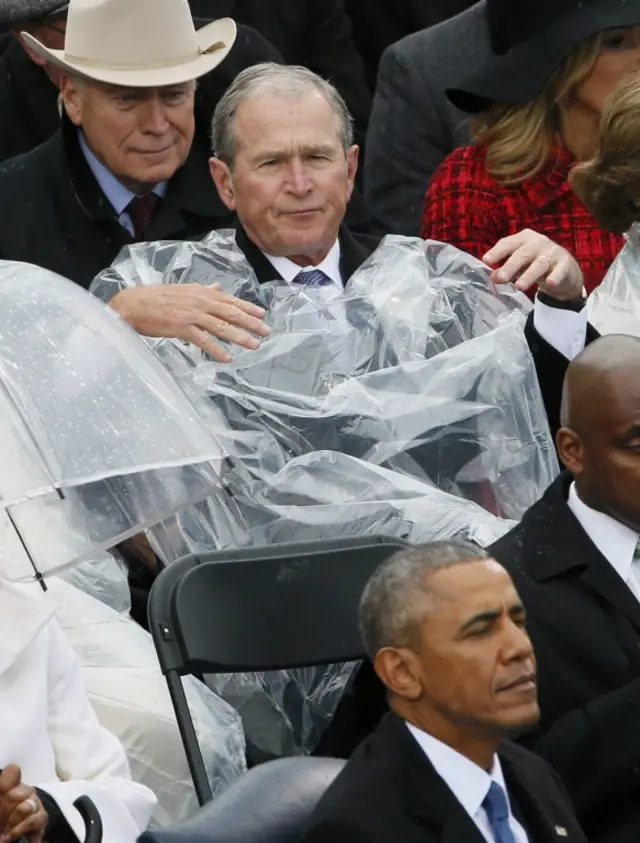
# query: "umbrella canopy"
[[97, 440]]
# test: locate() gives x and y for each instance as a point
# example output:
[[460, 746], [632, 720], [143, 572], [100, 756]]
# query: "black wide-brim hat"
[[530, 39]]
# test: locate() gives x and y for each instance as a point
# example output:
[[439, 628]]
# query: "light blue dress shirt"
[[118, 195]]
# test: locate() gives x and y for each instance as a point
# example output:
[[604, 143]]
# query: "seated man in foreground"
[[574, 559], [445, 629]]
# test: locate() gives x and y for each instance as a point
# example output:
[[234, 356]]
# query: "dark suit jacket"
[[390, 793], [585, 626], [379, 23], [54, 214], [354, 250], [413, 125]]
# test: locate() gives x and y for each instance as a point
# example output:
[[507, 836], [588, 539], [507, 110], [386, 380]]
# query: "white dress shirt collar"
[[330, 266], [615, 541], [118, 195], [469, 783]]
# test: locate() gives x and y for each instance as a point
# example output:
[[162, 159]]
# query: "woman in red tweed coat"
[[536, 107]]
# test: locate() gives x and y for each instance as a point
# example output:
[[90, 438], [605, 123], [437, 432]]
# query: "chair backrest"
[[271, 608], [260, 608], [270, 804]]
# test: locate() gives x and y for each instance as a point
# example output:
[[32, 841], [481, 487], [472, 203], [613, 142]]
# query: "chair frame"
[[174, 651]]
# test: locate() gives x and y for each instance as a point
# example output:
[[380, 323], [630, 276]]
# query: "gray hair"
[[388, 609], [268, 77]]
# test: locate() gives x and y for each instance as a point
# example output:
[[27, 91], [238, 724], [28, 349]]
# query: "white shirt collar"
[[330, 266], [469, 783], [118, 195], [615, 541]]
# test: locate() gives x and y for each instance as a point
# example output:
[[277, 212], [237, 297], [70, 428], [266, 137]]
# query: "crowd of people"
[[497, 700]]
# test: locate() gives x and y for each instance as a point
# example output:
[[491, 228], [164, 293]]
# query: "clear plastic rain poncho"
[[99, 441], [614, 306], [408, 406]]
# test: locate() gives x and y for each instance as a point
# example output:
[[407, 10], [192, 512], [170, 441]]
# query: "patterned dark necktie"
[[312, 278], [497, 809], [142, 210]]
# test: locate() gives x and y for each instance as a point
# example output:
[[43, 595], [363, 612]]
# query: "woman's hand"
[[529, 258], [21, 811]]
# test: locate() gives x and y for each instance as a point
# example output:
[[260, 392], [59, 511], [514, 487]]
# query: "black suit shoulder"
[[389, 791], [367, 798]]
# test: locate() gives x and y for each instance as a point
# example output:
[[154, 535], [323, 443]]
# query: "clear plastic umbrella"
[[97, 440]]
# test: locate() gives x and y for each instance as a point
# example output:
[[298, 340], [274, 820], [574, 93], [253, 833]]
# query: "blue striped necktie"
[[497, 809], [312, 278]]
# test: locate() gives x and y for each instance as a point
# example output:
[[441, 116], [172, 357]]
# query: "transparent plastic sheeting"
[[130, 695], [97, 440], [406, 406], [614, 306]]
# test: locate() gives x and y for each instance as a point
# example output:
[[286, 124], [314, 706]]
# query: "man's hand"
[[192, 312], [21, 811], [530, 258]]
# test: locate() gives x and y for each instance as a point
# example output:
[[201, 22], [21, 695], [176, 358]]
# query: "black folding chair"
[[258, 609], [273, 803]]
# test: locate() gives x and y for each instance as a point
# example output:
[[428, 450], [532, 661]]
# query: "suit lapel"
[[429, 797], [536, 817], [353, 253], [191, 194], [262, 267], [564, 547]]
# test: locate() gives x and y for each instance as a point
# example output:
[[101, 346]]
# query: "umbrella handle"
[[91, 818]]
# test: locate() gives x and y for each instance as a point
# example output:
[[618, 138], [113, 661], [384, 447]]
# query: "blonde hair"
[[609, 184], [519, 137]]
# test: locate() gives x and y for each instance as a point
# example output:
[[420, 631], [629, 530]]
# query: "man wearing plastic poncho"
[[53, 750]]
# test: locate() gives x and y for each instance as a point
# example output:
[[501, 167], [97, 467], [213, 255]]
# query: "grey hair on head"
[[265, 78], [389, 613]]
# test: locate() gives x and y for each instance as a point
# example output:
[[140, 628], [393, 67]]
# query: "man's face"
[[605, 457], [292, 179], [472, 656], [142, 135]]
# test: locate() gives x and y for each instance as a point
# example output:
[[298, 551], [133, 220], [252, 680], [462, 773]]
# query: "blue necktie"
[[495, 804], [312, 278]]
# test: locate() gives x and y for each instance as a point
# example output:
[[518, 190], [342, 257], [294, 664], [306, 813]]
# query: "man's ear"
[[71, 93], [223, 180], [398, 669], [353, 155], [570, 450]]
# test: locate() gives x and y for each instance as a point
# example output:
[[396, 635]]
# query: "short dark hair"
[[388, 613]]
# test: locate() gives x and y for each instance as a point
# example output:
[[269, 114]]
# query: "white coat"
[[49, 728]]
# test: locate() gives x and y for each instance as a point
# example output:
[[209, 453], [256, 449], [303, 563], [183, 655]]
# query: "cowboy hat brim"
[[214, 41], [521, 74]]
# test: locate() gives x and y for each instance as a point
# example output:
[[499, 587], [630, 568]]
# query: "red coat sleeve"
[[463, 204]]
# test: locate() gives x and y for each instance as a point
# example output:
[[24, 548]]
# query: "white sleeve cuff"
[[565, 330]]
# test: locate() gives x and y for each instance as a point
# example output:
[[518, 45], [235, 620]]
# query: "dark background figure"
[[379, 23], [574, 561], [413, 125], [313, 33]]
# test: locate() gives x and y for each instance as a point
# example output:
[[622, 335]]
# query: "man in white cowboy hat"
[[125, 165], [29, 84]]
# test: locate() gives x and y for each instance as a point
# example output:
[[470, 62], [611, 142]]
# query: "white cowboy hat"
[[137, 43]]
